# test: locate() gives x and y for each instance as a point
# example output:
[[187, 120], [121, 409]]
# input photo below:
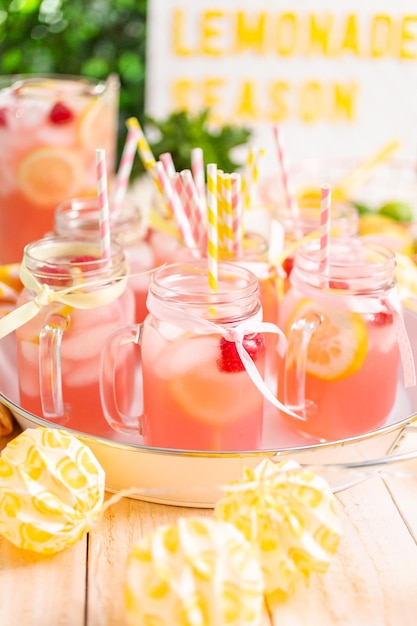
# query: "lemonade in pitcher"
[[50, 127]]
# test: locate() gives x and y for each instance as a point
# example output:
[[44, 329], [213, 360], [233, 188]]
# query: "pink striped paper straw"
[[285, 177], [237, 213], [197, 168], [192, 201], [179, 189], [325, 204], [168, 163], [125, 168], [103, 204], [175, 205]]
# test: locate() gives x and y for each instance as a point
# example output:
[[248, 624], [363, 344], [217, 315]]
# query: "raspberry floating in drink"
[[3, 117], [230, 360], [60, 114]]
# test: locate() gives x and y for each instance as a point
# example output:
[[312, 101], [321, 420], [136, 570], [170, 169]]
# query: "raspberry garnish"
[[3, 117], [230, 360], [52, 276], [60, 114]]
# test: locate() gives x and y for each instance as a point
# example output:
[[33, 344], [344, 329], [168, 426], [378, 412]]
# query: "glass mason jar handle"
[[108, 371], [296, 363], [50, 376]]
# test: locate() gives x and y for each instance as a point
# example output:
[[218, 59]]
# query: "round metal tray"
[[191, 478]]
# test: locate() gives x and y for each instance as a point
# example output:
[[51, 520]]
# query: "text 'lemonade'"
[[49, 129], [78, 334], [341, 369], [197, 394]]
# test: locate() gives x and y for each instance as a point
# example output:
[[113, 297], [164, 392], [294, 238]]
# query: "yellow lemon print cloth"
[[51, 490], [289, 514]]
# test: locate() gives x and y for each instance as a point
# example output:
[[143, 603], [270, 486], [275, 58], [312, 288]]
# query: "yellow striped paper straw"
[[361, 172], [146, 155], [237, 217], [250, 180], [221, 244], [227, 215], [246, 182], [144, 149], [212, 232]]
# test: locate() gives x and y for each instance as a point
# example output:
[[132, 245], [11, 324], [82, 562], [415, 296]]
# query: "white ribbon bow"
[[108, 292]]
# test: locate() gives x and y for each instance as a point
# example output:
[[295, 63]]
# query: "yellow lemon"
[[50, 174], [338, 346], [387, 231]]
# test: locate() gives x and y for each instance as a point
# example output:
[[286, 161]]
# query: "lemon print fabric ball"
[[51, 490], [195, 572], [289, 515]]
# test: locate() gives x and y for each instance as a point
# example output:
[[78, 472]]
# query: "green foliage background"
[[84, 37]]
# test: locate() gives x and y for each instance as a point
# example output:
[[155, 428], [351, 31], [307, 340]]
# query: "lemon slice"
[[98, 125], [50, 174], [338, 346]]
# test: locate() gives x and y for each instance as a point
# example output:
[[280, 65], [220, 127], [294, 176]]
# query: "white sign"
[[340, 77]]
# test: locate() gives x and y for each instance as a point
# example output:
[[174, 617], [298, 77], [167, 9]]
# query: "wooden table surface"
[[372, 580]]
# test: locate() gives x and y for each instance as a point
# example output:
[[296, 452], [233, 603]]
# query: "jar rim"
[[312, 250], [87, 85], [82, 212], [56, 252], [360, 265], [176, 280]]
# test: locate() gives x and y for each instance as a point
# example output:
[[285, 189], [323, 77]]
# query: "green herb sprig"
[[182, 131]]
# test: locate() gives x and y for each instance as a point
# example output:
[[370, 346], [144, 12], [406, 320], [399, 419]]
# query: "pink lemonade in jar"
[[350, 377], [84, 332], [50, 127], [198, 392]]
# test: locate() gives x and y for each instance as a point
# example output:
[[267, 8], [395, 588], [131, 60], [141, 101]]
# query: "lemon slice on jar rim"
[[338, 346]]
